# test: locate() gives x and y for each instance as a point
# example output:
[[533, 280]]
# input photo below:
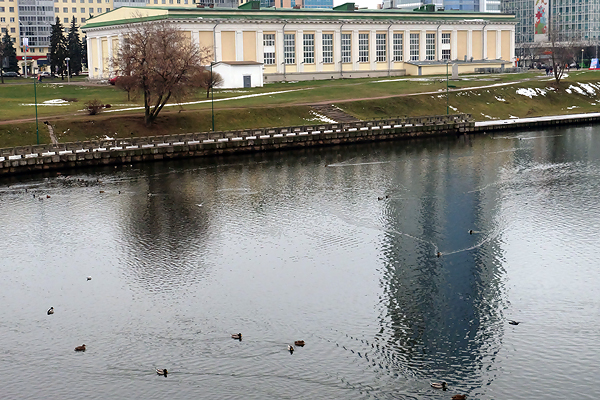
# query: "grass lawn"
[[281, 104]]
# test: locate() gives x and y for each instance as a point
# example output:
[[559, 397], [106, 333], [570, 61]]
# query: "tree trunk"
[[207, 92]]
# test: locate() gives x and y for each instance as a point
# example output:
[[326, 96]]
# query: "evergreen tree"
[[58, 48], [84, 60], [7, 49], [74, 49]]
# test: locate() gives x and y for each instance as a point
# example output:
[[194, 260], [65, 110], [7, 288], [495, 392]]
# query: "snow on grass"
[[499, 98], [531, 92], [487, 116], [572, 107], [453, 108], [55, 102], [320, 117]]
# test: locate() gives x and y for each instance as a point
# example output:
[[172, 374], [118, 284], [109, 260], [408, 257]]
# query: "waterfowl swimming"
[[162, 372], [89, 278], [439, 254], [513, 322], [380, 198], [459, 397], [470, 231], [439, 385], [299, 343], [47, 196], [80, 348], [51, 311], [237, 336], [290, 348]]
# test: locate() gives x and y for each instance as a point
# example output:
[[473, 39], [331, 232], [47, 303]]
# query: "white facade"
[[239, 74]]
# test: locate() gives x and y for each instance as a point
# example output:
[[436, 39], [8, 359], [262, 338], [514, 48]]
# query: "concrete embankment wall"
[[537, 122], [28, 159]]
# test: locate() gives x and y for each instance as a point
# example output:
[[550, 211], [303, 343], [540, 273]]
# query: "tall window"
[[430, 46], [269, 49], [289, 48], [414, 47], [380, 47], [398, 49], [445, 54], [346, 47], [363, 47], [445, 38], [327, 48], [309, 48]]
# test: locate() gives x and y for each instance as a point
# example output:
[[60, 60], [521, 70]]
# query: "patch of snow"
[[322, 118], [499, 98], [588, 88], [577, 89], [572, 107], [512, 116], [454, 108], [568, 91], [106, 137], [487, 116], [527, 92], [55, 101]]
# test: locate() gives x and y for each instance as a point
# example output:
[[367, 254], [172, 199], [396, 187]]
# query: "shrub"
[[94, 106]]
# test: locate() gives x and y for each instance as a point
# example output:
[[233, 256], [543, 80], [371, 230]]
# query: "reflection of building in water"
[[443, 312]]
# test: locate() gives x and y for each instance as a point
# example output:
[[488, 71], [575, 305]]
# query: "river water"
[[297, 246]]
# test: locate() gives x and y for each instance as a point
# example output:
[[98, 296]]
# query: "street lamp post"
[[447, 104], [212, 96], [68, 70], [37, 130]]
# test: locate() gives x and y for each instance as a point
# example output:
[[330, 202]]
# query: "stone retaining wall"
[[27, 159]]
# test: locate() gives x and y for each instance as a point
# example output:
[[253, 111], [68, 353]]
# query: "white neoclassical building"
[[303, 44]]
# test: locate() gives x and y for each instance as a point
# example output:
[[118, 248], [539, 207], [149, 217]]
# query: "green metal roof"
[[342, 14]]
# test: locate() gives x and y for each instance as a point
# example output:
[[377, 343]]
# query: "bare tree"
[[562, 53], [127, 83], [162, 63], [210, 79]]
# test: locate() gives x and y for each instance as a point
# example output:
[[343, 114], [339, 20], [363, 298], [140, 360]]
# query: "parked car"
[[45, 74], [11, 74]]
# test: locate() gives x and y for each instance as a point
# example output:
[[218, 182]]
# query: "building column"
[[91, 72], [469, 43], [372, 49], [110, 55], [498, 44], [453, 44], [217, 44], [422, 40], [512, 43], [337, 49], [319, 50], [99, 56], [354, 47], [406, 46], [195, 37], [239, 46], [260, 51], [279, 52], [484, 43], [300, 51], [438, 43]]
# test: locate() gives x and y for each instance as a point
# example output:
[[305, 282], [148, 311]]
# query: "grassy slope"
[[279, 109]]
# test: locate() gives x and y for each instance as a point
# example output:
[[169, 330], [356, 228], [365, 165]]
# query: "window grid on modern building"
[[380, 47], [445, 54], [346, 48], [414, 47], [398, 48], [327, 48], [269, 49], [289, 48], [309, 48], [430, 46], [363, 47]]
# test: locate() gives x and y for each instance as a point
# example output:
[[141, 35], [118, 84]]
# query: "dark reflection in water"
[[335, 246]]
